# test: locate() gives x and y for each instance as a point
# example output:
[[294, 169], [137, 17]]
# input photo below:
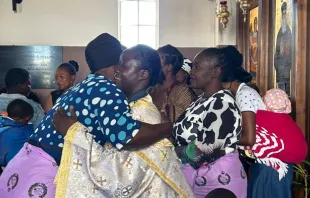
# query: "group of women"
[[93, 133]]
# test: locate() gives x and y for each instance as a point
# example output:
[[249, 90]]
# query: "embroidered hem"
[[62, 176], [162, 175]]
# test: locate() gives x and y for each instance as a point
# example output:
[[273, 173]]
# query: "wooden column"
[[305, 12], [242, 38], [302, 70], [265, 49]]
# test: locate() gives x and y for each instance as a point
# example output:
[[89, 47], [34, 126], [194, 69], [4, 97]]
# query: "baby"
[[280, 143], [14, 129], [279, 140]]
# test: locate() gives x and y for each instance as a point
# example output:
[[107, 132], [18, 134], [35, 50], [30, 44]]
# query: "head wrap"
[[187, 65], [277, 101], [103, 52]]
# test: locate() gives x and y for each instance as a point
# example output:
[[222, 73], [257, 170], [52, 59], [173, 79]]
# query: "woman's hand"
[[164, 117], [62, 122]]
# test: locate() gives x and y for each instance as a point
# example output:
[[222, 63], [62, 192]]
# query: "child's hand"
[[62, 122]]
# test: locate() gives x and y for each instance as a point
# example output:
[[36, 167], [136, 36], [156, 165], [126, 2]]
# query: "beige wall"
[[227, 36], [183, 23], [187, 23], [57, 22], [193, 23]]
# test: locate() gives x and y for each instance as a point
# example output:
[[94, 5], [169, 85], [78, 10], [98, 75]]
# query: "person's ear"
[[144, 75], [216, 73], [73, 77], [22, 88]]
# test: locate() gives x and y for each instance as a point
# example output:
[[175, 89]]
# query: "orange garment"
[[4, 114]]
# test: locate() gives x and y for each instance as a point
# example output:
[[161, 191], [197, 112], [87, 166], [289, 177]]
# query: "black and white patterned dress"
[[214, 124]]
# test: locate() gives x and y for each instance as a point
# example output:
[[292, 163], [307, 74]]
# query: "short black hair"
[[283, 7], [15, 77], [19, 108], [172, 56], [150, 61], [72, 67], [221, 192]]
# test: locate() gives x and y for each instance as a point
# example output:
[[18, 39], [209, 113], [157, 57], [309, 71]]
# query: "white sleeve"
[[247, 101]]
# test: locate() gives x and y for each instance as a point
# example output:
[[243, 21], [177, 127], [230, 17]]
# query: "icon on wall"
[[283, 54]]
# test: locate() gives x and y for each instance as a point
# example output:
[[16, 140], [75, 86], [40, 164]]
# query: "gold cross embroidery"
[[77, 164], [101, 181], [163, 156], [94, 189], [128, 163], [149, 189], [175, 169]]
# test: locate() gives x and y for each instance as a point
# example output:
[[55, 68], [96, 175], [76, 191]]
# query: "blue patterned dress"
[[100, 106]]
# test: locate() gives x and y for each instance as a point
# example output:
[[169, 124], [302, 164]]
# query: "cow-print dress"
[[206, 137]]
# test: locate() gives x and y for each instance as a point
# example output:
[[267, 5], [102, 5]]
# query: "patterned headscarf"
[[187, 65], [277, 101]]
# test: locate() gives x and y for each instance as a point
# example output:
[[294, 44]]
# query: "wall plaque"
[[40, 61]]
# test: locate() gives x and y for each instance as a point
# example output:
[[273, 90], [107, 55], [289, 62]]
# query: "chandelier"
[[245, 6], [222, 13]]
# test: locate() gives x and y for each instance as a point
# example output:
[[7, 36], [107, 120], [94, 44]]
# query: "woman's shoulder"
[[180, 86], [181, 89], [146, 103], [248, 99], [247, 91], [154, 89], [216, 100], [224, 95], [145, 110], [55, 93]]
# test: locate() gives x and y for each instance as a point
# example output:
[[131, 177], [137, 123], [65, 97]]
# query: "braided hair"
[[232, 61], [172, 56], [72, 67]]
